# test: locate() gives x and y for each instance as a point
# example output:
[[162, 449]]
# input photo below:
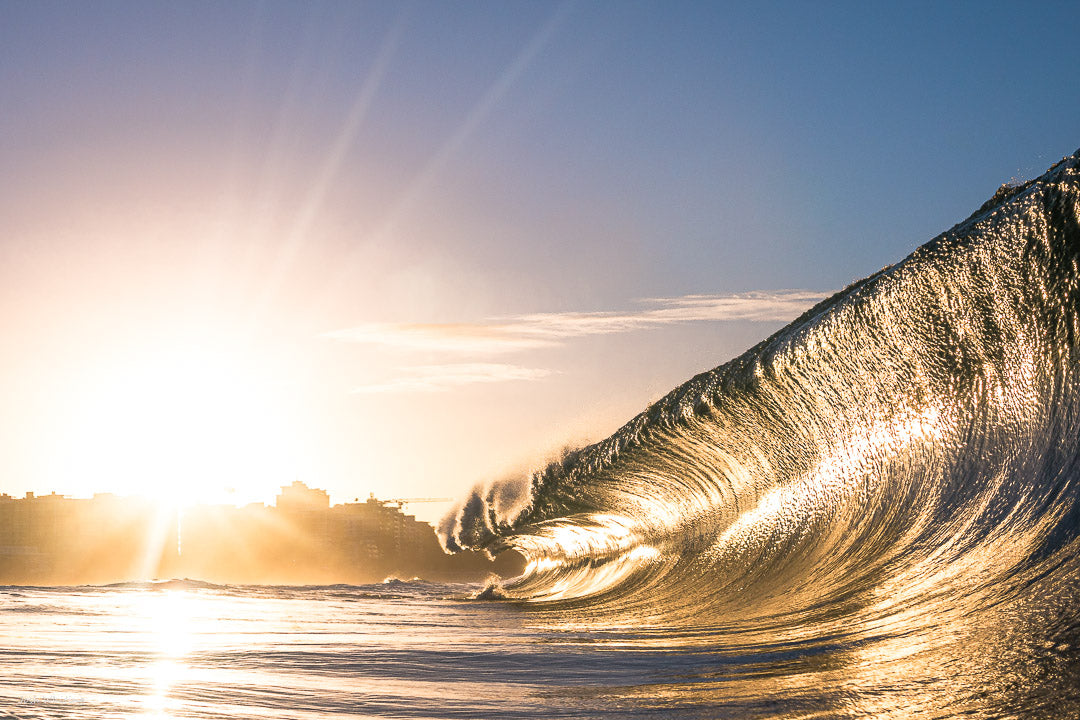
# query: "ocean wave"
[[915, 435]]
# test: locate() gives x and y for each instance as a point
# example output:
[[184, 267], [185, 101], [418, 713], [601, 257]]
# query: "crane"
[[402, 502]]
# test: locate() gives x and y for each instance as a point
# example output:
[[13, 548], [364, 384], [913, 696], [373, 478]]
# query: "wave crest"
[[924, 418]]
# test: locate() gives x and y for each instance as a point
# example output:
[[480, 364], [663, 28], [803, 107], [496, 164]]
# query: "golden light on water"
[[169, 623], [165, 624]]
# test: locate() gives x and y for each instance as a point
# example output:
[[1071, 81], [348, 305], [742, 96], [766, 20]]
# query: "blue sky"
[[283, 197]]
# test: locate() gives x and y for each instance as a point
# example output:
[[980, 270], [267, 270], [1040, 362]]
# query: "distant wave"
[[389, 589], [915, 435], [172, 584]]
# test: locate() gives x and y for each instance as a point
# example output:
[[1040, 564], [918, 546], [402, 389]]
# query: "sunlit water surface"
[[187, 650], [184, 650]]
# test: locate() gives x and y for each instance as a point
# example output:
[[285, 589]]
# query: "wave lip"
[[909, 423]]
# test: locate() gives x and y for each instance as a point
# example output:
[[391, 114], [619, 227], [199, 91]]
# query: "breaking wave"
[[911, 441]]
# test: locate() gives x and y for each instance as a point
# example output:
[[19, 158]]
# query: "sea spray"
[[920, 421]]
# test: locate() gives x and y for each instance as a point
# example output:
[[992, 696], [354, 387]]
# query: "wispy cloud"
[[524, 332], [457, 338], [437, 378]]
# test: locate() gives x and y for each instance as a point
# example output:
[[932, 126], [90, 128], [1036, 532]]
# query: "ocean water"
[[875, 513], [418, 650], [185, 649]]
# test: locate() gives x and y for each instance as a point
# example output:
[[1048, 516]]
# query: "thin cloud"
[[538, 330], [439, 378], [459, 338]]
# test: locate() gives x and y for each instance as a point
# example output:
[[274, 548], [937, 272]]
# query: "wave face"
[[909, 443]]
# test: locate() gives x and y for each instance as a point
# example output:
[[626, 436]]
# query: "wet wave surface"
[[888, 484]]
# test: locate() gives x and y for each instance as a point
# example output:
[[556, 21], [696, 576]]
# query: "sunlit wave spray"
[[916, 433]]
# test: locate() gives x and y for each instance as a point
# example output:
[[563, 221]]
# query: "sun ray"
[[440, 158], [330, 168]]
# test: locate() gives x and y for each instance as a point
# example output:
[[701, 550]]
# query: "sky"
[[406, 248]]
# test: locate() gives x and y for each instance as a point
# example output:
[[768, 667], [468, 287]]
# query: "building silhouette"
[[301, 539]]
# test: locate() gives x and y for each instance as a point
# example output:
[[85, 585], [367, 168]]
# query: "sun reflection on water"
[[167, 619]]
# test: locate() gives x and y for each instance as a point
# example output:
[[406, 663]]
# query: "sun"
[[185, 424]]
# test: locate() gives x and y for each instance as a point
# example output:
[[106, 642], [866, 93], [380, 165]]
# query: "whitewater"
[[874, 513]]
